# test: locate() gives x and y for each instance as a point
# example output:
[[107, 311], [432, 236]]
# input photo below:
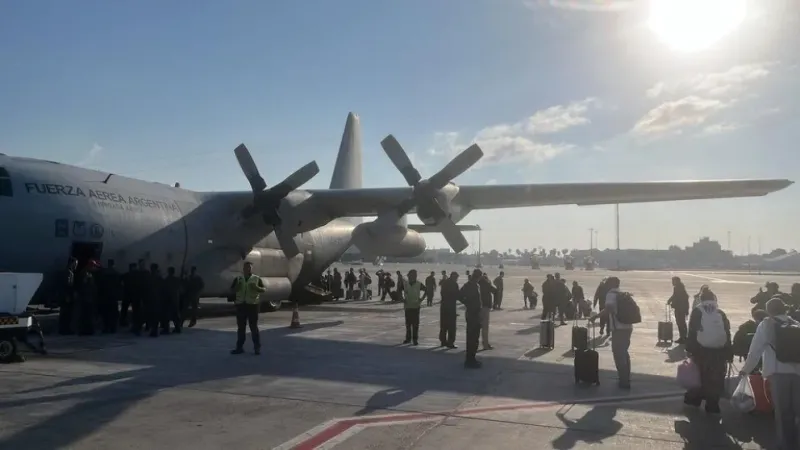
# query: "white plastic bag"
[[742, 398], [688, 375]]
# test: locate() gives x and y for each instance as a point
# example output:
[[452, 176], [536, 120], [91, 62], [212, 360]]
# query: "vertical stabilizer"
[[347, 171]]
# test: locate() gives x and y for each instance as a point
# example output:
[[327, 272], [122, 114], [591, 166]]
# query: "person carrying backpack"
[[709, 346], [622, 313], [744, 335], [775, 342]]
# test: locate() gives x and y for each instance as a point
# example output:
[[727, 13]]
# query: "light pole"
[[616, 224], [591, 241]]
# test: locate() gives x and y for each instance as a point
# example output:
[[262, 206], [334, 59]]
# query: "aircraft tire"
[[271, 306], [8, 350]]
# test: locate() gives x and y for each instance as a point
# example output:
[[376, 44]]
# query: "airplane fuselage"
[[56, 208]]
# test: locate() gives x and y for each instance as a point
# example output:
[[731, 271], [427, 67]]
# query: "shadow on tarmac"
[[286, 353]]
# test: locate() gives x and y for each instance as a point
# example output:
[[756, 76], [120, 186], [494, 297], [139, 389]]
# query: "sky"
[[554, 91]]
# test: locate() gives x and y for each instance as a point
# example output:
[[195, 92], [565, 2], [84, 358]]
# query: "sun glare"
[[694, 25]]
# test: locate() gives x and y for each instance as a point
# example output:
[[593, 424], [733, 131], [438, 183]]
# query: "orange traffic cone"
[[295, 318]]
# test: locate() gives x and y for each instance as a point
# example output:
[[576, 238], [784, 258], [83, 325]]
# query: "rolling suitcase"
[[587, 364], [580, 337], [547, 332], [665, 328]]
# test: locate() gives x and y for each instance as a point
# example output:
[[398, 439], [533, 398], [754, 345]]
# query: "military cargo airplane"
[[52, 210]]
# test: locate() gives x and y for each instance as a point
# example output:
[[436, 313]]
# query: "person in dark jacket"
[[447, 311], [87, 298], [153, 299], [498, 294], [711, 352], [110, 294], [430, 288], [528, 294], [470, 296], [680, 304], [193, 286], [128, 294], [67, 298], [600, 299], [171, 302], [548, 297], [564, 299], [578, 298]]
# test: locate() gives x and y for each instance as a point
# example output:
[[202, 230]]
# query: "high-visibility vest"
[[248, 290], [413, 298]]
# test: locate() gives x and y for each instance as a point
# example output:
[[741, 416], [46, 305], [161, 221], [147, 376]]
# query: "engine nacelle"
[[451, 208], [388, 240]]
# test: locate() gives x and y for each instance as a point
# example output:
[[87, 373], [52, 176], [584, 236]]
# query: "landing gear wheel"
[[8, 351], [271, 306]]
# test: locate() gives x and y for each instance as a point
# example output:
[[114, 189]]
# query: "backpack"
[[627, 310], [787, 335], [712, 329], [741, 343]]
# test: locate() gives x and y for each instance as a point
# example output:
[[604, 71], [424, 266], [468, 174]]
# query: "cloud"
[[673, 115], [91, 155], [720, 128], [582, 5], [729, 83], [521, 141]]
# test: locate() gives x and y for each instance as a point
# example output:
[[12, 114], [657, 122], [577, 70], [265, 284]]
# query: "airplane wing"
[[372, 201], [434, 229]]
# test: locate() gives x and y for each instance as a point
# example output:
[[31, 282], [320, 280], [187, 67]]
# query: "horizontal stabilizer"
[[435, 229]]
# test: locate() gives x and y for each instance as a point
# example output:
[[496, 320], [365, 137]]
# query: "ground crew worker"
[[548, 297], [412, 303], [171, 302], [498, 294], [247, 288], [110, 284], [153, 299], [66, 295], [127, 294], [430, 287], [528, 293], [447, 311], [470, 296], [87, 298], [193, 287]]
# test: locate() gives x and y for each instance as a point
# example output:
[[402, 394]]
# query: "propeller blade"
[[458, 165], [453, 235], [249, 168], [399, 158], [287, 243], [300, 177]]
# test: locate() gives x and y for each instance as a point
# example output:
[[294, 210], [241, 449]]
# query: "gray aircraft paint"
[[54, 205]]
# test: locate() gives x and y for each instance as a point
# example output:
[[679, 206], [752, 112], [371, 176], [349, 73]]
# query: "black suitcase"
[[665, 328], [547, 332], [587, 364], [580, 337]]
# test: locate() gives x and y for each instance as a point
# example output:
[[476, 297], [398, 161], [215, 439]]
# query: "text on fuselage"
[[95, 194]]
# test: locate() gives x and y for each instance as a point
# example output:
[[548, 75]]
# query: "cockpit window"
[[5, 184]]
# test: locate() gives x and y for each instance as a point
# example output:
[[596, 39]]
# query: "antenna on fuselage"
[[108, 178]]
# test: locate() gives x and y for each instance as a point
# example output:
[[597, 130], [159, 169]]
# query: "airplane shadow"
[[93, 402]]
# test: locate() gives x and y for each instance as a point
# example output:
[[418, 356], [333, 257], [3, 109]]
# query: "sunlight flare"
[[694, 25]]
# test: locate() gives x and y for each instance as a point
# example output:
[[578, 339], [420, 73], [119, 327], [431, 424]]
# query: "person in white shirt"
[[784, 378], [620, 334]]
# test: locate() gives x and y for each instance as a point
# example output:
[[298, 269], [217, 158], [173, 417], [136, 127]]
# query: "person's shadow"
[[597, 424]]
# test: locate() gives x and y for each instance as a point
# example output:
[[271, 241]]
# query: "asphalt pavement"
[[345, 381]]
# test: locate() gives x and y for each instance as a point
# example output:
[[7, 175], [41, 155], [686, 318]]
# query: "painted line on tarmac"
[[333, 432], [714, 279]]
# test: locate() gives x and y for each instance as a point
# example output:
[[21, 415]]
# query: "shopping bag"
[[688, 375], [742, 398]]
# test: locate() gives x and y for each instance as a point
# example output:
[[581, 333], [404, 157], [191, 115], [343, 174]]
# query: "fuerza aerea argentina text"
[[98, 195]]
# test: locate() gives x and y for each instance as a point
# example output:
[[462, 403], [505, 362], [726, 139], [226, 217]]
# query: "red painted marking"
[[343, 426]]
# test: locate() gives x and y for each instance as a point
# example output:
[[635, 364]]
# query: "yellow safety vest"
[[413, 298], [248, 290]]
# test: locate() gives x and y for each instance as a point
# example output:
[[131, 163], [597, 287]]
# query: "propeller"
[[426, 190], [267, 201]]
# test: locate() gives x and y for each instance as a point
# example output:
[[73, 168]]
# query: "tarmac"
[[345, 381]]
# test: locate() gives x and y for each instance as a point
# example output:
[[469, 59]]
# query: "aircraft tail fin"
[[347, 170]]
